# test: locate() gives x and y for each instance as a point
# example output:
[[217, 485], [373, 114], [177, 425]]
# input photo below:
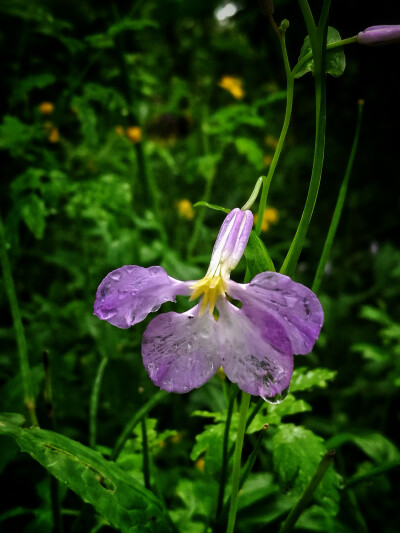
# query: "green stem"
[[244, 406], [225, 452], [253, 456], [318, 44], [134, 421], [377, 471], [146, 457], [282, 137], [94, 402], [254, 194], [307, 493], [339, 206], [22, 349], [205, 144]]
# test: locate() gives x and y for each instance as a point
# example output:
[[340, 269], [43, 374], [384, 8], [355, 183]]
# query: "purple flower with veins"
[[378, 35], [254, 344]]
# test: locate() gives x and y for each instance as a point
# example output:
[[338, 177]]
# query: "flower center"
[[210, 287]]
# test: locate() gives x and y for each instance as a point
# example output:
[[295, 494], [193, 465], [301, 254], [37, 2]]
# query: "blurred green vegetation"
[[116, 117]]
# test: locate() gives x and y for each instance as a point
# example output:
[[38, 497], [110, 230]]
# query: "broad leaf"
[[335, 58], [114, 494], [297, 452]]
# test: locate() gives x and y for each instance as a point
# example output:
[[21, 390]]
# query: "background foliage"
[[140, 124]]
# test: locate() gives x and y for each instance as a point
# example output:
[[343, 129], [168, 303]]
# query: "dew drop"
[[277, 398], [116, 276], [106, 314]]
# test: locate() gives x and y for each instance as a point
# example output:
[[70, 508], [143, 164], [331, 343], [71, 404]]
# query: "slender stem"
[[22, 349], [146, 458], [318, 43], [205, 145], [244, 406], [282, 137], [94, 402], [54, 483], [134, 421], [377, 471], [308, 492], [253, 456], [339, 206], [254, 194], [308, 17], [225, 452]]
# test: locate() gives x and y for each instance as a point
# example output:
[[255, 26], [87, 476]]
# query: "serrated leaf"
[[335, 58], [211, 206], [258, 259], [113, 493], [297, 451], [317, 377]]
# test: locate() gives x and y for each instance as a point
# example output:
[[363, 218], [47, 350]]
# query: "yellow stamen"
[[209, 288]]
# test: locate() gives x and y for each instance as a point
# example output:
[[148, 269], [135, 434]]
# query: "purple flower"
[[376, 35], [254, 343]]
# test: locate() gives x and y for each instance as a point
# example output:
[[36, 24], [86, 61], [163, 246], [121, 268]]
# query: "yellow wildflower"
[[199, 464], [185, 209], [134, 134], [46, 108], [271, 141], [270, 216], [232, 85], [54, 135]]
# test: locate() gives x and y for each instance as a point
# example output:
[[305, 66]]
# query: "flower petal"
[[127, 295], [295, 306], [180, 351], [256, 354]]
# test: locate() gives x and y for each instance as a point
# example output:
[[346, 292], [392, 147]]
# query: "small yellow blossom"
[[119, 130], [271, 141], [267, 160], [270, 216], [134, 134], [185, 209], [54, 135], [46, 108], [232, 85], [199, 464]]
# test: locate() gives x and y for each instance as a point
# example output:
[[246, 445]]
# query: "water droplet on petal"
[[277, 398], [106, 314], [116, 276]]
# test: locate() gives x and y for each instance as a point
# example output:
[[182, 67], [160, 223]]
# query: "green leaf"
[[211, 206], [33, 213], [114, 494], [375, 445], [131, 25], [297, 452], [258, 259], [304, 380], [335, 58], [250, 149]]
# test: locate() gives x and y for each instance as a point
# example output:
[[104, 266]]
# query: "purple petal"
[[256, 353], [376, 35], [127, 295], [295, 306], [232, 238], [180, 351]]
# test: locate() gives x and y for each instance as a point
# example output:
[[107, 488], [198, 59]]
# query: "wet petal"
[[180, 351], [256, 354], [295, 306], [127, 295]]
